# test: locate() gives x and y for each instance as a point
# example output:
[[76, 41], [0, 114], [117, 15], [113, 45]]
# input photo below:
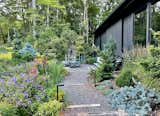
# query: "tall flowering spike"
[[14, 79]]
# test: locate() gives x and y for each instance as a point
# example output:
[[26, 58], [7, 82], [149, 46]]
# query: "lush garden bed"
[[136, 88], [28, 86]]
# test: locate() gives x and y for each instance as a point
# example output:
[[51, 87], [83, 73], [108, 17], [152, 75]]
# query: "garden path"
[[84, 99]]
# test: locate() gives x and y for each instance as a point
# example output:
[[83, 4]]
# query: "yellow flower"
[[6, 56]]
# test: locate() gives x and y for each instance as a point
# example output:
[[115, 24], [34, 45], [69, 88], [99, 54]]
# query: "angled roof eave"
[[125, 8]]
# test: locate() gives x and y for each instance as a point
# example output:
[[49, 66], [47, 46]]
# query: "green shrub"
[[16, 55], [91, 60], [3, 49], [3, 66], [152, 65], [52, 94], [56, 72], [42, 69], [103, 72], [125, 78], [27, 53], [28, 57], [145, 66], [34, 107], [155, 51], [7, 109], [17, 44], [51, 108], [106, 67]]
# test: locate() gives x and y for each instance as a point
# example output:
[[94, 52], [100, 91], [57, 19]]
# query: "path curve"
[[84, 99]]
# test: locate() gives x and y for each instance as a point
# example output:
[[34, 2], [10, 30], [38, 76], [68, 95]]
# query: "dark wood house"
[[120, 25]]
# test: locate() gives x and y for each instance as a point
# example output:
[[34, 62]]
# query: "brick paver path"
[[84, 99]]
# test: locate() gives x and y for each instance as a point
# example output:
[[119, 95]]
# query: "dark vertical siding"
[[115, 33], [128, 32], [97, 42]]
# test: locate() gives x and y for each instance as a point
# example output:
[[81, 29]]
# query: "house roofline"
[[126, 8]]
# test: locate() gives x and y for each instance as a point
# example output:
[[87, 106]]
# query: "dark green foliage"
[[140, 29], [7, 109], [145, 65], [53, 44], [104, 71], [91, 60], [3, 49], [27, 57], [152, 64], [16, 55], [155, 51], [27, 53], [135, 100], [42, 68], [17, 44], [156, 38], [108, 56], [28, 48], [55, 73], [125, 78]]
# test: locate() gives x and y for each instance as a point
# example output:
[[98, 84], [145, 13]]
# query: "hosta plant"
[[135, 100]]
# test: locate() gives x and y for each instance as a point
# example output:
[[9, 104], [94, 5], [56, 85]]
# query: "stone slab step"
[[83, 106]]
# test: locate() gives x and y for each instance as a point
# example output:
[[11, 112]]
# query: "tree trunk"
[[85, 20], [9, 38], [47, 21], [34, 22], [3, 36]]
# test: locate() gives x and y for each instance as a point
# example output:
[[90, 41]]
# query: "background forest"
[[37, 35], [52, 25]]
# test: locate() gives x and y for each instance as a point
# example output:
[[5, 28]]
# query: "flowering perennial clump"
[[22, 90]]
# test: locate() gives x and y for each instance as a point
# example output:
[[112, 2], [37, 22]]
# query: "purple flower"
[[26, 94], [27, 80], [14, 79], [23, 75], [19, 103], [1, 80], [29, 101]]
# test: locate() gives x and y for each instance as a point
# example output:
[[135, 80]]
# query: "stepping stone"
[[109, 113], [80, 84], [82, 114], [83, 106]]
